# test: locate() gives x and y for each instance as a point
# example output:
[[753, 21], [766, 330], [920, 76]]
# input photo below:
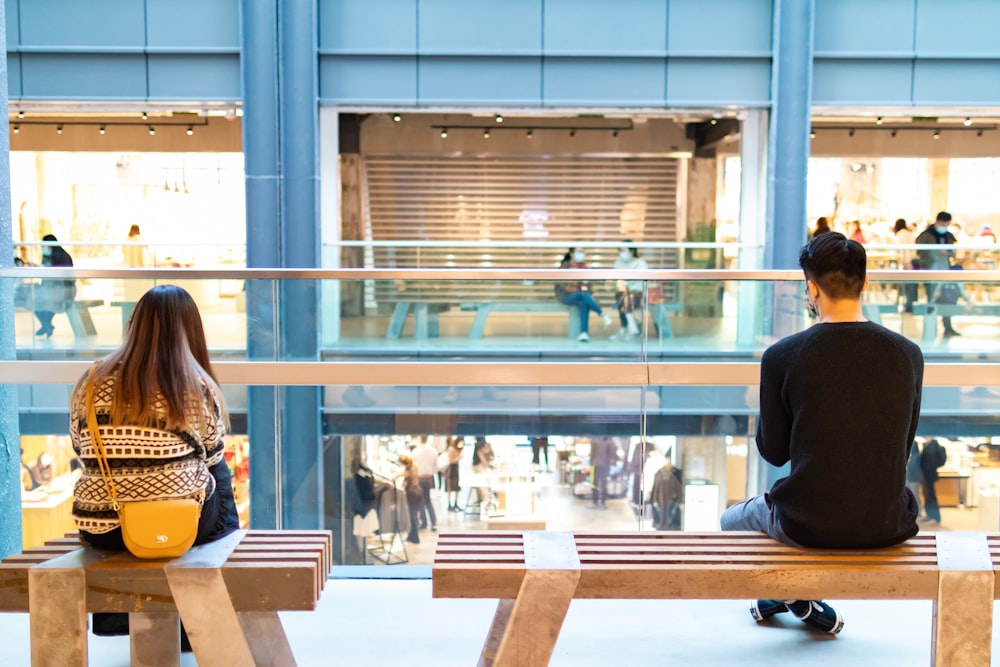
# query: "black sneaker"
[[818, 614], [761, 610]]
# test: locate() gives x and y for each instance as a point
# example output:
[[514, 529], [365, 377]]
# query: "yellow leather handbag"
[[150, 528]]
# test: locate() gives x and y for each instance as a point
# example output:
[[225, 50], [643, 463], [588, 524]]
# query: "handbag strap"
[[97, 443]]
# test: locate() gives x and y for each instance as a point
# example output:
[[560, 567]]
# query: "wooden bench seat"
[[536, 575], [425, 300], [231, 588]]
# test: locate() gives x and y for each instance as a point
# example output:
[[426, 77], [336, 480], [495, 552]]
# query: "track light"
[[102, 130], [239, 112], [17, 128], [145, 116], [967, 122], [979, 133], [937, 134], [812, 134], [59, 129], [572, 133], [396, 118], [850, 132], [614, 133], [499, 118], [894, 133], [20, 114], [444, 132], [152, 131], [714, 121], [486, 134], [530, 133], [878, 121], [190, 130]]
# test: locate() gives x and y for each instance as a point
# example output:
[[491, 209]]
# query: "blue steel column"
[[298, 94], [10, 438], [788, 161], [259, 74], [788, 143]]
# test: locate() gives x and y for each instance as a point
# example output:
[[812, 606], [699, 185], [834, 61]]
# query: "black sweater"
[[841, 402]]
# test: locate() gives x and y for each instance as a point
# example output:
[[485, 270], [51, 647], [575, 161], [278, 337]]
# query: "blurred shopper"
[[822, 227], [132, 254], [846, 488], [578, 293], [603, 452], [935, 259], [903, 235], [414, 496], [452, 484], [425, 458], [628, 294], [932, 457], [914, 476], [53, 295], [540, 446], [949, 294], [856, 233]]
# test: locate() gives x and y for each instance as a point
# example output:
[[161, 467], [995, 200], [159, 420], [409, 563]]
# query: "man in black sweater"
[[840, 401]]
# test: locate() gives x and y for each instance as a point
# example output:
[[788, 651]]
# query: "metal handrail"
[[475, 374], [541, 274]]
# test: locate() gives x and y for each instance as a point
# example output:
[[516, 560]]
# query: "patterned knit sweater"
[[146, 463]]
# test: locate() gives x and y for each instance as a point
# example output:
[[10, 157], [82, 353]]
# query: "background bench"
[[425, 300], [227, 593], [536, 575]]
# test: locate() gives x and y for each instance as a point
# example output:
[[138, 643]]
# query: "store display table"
[[536, 575], [231, 588]]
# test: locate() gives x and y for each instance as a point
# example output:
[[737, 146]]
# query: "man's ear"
[[864, 288]]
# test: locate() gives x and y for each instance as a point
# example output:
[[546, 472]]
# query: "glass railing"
[[460, 313]]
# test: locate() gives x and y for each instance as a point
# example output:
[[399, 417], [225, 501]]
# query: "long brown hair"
[[165, 354]]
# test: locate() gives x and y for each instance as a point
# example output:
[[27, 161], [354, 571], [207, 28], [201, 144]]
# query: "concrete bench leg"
[[398, 320], [267, 639], [420, 321], [154, 639], [535, 618], [963, 611], [57, 611], [479, 323], [203, 601], [930, 328]]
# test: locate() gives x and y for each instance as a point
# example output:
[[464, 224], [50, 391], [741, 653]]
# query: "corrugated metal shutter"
[[569, 199]]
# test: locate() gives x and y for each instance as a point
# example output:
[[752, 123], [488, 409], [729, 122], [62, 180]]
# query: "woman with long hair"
[[162, 419]]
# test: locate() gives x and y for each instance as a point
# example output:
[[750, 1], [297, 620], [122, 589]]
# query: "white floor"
[[367, 622]]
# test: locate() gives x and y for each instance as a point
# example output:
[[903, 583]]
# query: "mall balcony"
[[323, 369]]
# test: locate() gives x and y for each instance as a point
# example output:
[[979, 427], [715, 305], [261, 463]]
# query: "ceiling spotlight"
[[396, 118], [486, 134], [614, 133], [444, 132], [102, 130], [894, 133], [190, 130], [878, 121], [979, 133], [239, 112], [499, 118], [937, 134], [967, 122], [59, 129], [572, 133], [17, 128], [530, 133], [152, 131], [714, 121], [20, 114], [812, 134], [850, 132], [145, 116]]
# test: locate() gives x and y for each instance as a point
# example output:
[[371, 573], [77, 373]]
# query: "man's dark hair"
[[943, 216], [835, 263]]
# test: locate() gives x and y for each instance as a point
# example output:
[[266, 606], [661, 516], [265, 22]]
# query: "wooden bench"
[[426, 300], [227, 593], [536, 575]]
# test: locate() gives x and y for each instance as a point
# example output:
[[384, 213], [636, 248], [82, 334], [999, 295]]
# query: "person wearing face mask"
[[937, 259], [628, 294], [578, 293], [53, 294]]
